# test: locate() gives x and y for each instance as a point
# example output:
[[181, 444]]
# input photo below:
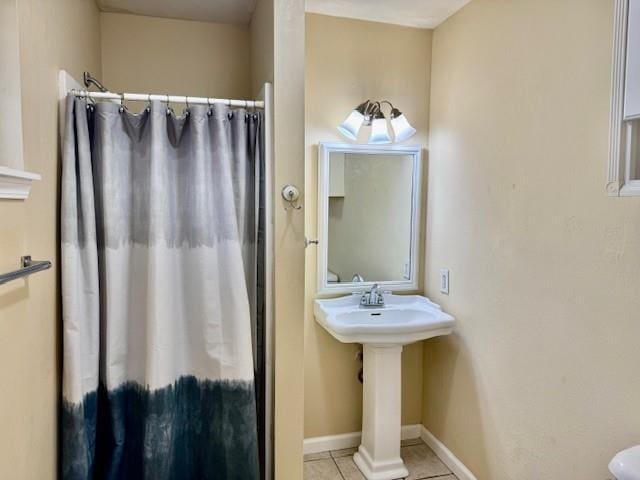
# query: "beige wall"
[[158, 55], [348, 61], [53, 35], [541, 380]]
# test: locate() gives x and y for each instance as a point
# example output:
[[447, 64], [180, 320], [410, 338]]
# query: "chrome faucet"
[[372, 298]]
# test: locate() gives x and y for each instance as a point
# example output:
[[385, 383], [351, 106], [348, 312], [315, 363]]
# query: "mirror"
[[368, 217]]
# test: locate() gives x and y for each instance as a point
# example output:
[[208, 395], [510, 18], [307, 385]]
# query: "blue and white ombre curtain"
[[160, 222]]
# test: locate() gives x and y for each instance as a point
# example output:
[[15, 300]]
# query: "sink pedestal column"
[[378, 456]]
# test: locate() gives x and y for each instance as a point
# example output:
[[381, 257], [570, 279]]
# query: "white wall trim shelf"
[[16, 184]]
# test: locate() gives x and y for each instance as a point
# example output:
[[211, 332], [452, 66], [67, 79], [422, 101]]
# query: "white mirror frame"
[[325, 149]]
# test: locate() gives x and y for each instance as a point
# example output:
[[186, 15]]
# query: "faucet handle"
[[373, 297], [364, 299]]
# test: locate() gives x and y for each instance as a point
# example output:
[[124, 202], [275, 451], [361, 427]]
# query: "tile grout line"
[[333, 458], [337, 466], [437, 476]]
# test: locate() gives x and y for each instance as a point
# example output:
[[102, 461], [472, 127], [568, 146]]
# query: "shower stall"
[[167, 268]]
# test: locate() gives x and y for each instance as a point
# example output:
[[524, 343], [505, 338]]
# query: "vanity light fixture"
[[379, 130], [402, 130], [370, 114], [351, 126]]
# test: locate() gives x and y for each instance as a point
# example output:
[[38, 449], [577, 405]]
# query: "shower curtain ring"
[[80, 94], [209, 110], [85, 94], [122, 103], [186, 101], [168, 108], [149, 101]]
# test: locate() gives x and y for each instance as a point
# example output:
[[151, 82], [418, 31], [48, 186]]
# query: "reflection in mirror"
[[369, 217]]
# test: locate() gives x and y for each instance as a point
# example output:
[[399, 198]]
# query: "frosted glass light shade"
[[401, 128], [351, 126], [379, 132]]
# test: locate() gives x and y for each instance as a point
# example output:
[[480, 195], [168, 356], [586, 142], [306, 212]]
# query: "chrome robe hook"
[[291, 194]]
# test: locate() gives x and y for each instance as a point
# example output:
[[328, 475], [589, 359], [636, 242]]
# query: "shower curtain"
[[161, 225]]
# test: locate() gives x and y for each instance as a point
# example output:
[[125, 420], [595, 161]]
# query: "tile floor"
[[420, 460]]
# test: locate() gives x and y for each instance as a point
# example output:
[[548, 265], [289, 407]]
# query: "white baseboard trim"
[[448, 458], [350, 440]]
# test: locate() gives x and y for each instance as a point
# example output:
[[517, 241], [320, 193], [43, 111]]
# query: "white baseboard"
[[448, 458], [350, 440]]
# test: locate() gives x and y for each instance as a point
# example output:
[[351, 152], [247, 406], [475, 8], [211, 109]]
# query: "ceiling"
[[412, 13], [222, 11]]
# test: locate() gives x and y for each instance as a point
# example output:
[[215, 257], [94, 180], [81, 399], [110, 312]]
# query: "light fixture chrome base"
[[370, 114]]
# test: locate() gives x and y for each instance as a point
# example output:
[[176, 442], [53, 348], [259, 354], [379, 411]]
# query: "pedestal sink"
[[383, 331]]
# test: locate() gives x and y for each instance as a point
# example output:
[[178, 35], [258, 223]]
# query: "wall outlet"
[[444, 281]]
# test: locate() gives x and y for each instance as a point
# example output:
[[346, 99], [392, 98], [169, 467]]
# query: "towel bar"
[[28, 267]]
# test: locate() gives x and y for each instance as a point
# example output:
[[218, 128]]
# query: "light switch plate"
[[444, 281]]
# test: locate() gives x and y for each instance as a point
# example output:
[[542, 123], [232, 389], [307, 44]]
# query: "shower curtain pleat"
[[162, 242]]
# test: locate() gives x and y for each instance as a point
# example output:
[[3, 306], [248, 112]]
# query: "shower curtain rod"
[[147, 97]]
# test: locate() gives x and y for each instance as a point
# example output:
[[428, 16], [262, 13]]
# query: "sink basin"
[[403, 320], [383, 331]]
